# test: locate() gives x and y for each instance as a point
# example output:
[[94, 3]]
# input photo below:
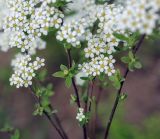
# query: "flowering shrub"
[[100, 30]]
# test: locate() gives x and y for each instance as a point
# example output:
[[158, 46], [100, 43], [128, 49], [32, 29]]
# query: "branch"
[[75, 89], [135, 49], [48, 116], [91, 95], [73, 80]]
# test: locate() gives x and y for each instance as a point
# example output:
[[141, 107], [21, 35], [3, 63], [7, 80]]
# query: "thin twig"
[[97, 104], [91, 95], [47, 115], [76, 90], [86, 101], [55, 117], [73, 80], [60, 126], [135, 49]]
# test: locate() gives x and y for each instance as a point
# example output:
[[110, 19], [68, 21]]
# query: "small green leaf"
[[41, 76], [16, 135], [123, 96], [125, 59], [121, 37], [38, 111], [7, 128], [59, 74], [130, 54], [63, 67], [73, 99], [84, 78], [68, 81], [116, 79], [137, 65]]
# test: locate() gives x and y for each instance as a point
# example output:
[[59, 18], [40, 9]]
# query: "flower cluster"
[[80, 115], [24, 70], [3, 12], [28, 20], [4, 41], [102, 45], [140, 15], [71, 32], [74, 30], [96, 24], [98, 65]]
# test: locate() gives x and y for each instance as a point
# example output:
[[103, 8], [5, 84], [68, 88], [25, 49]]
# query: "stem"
[[56, 118], [97, 104], [47, 115], [53, 124], [135, 49], [76, 90], [90, 103], [86, 102], [73, 80], [60, 126]]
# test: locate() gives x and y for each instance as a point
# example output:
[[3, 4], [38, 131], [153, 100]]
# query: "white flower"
[[27, 21], [24, 70], [80, 115]]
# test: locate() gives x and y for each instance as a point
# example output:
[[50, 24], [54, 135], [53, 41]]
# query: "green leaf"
[[63, 67], [116, 79], [59, 74], [73, 99], [131, 66], [7, 128], [102, 77], [16, 135], [121, 37], [123, 96], [68, 81], [84, 78], [38, 111], [60, 3], [137, 65], [125, 59], [130, 54], [41, 76]]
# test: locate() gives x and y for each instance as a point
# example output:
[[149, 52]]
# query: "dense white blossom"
[[4, 41], [28, 20], [24, 70], [140, 15], [72, 32], [95, 24], [101, 44]]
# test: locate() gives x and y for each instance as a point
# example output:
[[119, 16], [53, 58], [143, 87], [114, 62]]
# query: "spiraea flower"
[[98, 65], [140, 15], [29, 20], [24, 70], [80, 115], [71, 32]]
